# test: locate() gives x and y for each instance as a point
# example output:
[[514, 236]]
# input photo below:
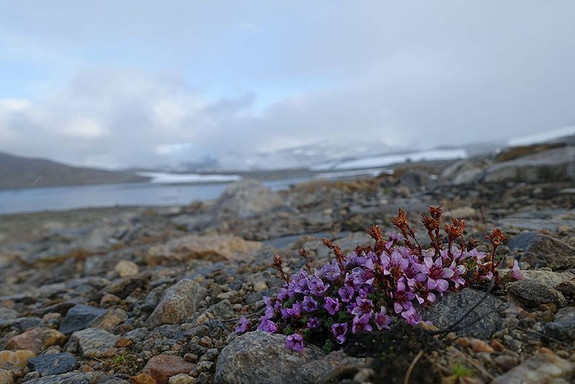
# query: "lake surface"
[[111, 195]]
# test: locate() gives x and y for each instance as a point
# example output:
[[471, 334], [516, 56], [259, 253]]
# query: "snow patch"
[[181, 178], [541, 137], [386, 160]]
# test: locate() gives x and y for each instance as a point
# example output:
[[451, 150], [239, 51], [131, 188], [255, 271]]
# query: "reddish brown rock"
[[162, 367], [142, 378], [36, 339]]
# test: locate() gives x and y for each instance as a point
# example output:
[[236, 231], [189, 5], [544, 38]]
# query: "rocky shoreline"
[[151, 295]]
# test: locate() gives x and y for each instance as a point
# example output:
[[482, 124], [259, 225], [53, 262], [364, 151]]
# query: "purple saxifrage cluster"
[[373, 286]]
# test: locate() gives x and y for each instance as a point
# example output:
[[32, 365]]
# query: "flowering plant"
[[373, 286]]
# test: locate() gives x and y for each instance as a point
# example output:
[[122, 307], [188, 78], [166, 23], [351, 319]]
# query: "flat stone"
[[563, 326], [110, 319], [8, 314], [15, 359], [79, 317], [481, 323], [126, 268], [162, 367], [263, 358], [93, 343], [178, 303], [547, 166], [36, 339], [541, 368], [72, 378], [543, 251], [207, 247], [538, 287], [142, 378], [53, 364]]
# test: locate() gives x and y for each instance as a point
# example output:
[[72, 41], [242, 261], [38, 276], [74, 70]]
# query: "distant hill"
[[21, 172]]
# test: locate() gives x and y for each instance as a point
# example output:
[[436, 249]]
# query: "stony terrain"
[[148, 296]]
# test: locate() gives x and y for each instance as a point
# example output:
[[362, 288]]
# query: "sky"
[[118, 84]]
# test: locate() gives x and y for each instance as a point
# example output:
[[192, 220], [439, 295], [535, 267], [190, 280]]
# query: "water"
[[111, 195]]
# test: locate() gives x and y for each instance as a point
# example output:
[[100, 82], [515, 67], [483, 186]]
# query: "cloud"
[[116, 117], [265, 76]]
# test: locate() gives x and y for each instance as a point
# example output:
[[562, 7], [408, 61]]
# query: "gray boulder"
[[263, 358], [481, 323], [548, 166], [246, 199], [543, 251]]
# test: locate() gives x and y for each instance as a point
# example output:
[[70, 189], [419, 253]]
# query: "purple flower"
[[330, 271], [294, 311], [331, 305], [295, 342], [411, 316], [437, 275], [457, 277], [339, 331], [242, 325], [381, 319], [361, 323], [309, 304], [394, 264], [267, 325], [313, 323], [402, 298], [346, 293], [272, 306], [515, 273], [299, 282], [317, 286], [362, 306]]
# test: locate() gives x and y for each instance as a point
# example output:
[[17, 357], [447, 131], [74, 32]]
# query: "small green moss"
[[460, 370]]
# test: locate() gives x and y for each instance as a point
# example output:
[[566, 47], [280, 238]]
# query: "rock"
[[79, 317], [415, 179], [6, 377], [208, 247], [178, 303], [142, 378], [182, 378], [8, 314], [72, 378], [462, 172], [563, 326], [246, 199], [53, 364], [126, 268], [36, 339], [567, 287], [15, 359], [261, 357], [506, 362], [93, 343], [548, 166], [481, 323], [329, 366], [110, 319], [537, 287], [543, 251], [541, 368], [162, 367]]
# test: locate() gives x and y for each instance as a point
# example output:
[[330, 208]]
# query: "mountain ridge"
[[25, 172]]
